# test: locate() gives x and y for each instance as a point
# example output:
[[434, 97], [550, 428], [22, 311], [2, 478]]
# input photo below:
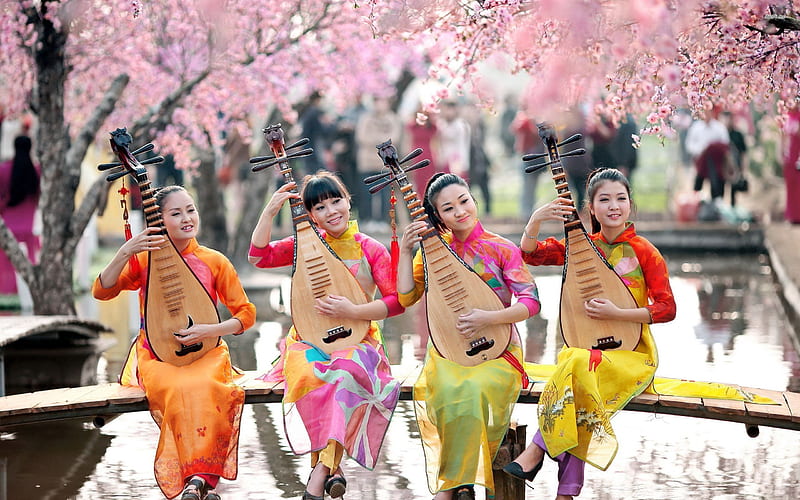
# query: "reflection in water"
[[730, 328]]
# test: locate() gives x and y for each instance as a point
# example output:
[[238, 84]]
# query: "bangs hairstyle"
[[435, 185], [322, 186], [599, 177]]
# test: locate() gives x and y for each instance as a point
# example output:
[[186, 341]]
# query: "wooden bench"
[[103, 401]]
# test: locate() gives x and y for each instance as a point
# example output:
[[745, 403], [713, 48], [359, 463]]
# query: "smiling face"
[[181, 218], [611, 206], [456, 209], [331, 215]]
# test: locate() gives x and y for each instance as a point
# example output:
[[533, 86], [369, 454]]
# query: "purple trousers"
[[570, 470]]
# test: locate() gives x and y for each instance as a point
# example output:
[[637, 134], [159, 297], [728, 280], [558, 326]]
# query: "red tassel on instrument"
[[133, 262], [395, 247]]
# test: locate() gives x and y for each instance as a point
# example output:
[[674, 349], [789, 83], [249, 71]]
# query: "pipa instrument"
[[452, 287], [317, 271], [587, 274], [175, 298]]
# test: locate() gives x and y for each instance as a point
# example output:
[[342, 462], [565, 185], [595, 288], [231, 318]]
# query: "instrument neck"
[[415, 207], [299, 212], [572, 221], [152, 212]]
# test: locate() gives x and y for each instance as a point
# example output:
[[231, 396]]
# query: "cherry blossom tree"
[[178, 73], [650, 57]]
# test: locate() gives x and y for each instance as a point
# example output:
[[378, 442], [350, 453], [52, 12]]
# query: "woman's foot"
[[336, 484], [527, 464], [315, 487], [211, 494], [466, 492], [194, 489]]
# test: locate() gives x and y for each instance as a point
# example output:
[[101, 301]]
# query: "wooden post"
[[507, 487]]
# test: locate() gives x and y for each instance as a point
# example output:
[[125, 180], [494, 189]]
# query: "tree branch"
[[159, 116], [10, 245]]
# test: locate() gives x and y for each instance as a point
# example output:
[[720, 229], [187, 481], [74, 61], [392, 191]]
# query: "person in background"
[[375, 125], [198, 406], [626, 156], [463, 412], [737, 172], [422, 134], [707, 142], [479, 162], [341, 402], [316, 125], [588, 382], [791, 166], [526, 141], [453, 140], [19, 200]]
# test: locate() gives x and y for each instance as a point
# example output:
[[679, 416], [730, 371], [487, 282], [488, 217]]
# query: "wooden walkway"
[[102, 402]]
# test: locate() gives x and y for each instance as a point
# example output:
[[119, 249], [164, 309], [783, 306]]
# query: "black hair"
[[597, 178], [435, 185], [24, 178], [165, 191], [321, 186]]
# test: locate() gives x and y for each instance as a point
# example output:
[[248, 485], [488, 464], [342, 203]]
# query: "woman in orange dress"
[[197, 406]]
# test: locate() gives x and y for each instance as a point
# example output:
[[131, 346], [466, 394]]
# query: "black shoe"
[[336, 486], [465, 493], [514, 469]]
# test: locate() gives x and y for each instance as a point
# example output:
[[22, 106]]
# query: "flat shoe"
[[515, 470], [336, 486], [465, 493], [309, 496]]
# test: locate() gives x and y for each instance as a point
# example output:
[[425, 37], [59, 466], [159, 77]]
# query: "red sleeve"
[[550, 252], [656, 277]]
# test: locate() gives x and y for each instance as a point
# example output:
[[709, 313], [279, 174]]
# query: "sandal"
[[465, 493], [193, 489], [309, 496], [335, 486], [212, 494]]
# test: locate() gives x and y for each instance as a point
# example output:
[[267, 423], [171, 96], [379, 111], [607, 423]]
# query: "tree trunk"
[[214, 230], [51, 289]]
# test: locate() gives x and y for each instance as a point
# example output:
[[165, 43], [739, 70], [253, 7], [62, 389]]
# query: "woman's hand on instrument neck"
[[557, 210], [263, 230], [405, 266], [148, 240]]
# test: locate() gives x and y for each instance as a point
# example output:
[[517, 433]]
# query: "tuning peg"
[[533, 156], [301, 153], [574, 152], [259, 168], [300, 142], [147, 147], [533, 168], [569, 140], [411, 156], [116, 175], [377, 187], [419, 164], [259, 159], [375, 177], [106, 166], [150, 161]]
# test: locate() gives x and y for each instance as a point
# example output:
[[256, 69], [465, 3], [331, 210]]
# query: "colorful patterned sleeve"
[[380, 262], [654, 267], [229, 289], [520, 281], [549, 252], [412, 296], [278, 253]]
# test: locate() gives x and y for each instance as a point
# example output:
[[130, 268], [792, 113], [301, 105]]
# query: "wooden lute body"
[[587, 275], [174, 296], [317, 270], [452, 287]]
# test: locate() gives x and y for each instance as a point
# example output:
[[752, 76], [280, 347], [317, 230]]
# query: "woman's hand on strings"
[[197, 333], [335, 306], [600, 308], [469, 324]]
